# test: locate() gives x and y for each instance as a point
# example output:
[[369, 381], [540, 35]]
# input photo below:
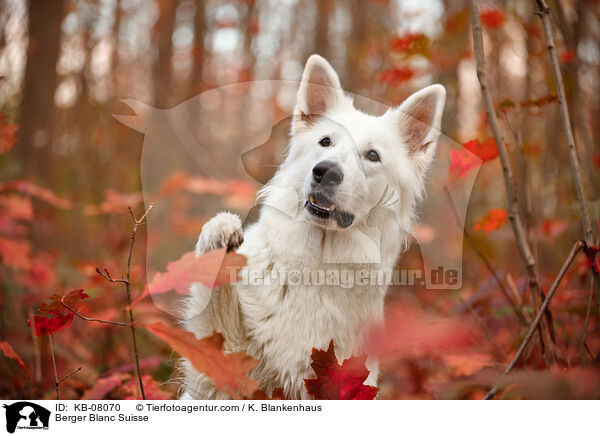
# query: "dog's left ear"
[[419, 118]]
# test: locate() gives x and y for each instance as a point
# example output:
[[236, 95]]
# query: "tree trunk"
[[37, 117], [163, 30], [199, 36]]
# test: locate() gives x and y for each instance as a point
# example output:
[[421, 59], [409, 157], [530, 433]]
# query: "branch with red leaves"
[[579, 246], [509, 180], [127, 282]]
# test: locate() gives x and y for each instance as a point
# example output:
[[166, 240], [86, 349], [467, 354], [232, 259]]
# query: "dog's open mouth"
[[321, 207]]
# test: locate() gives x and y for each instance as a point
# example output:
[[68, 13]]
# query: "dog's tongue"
[[344, 219]]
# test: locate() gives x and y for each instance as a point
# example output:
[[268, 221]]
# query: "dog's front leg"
[[222, 231]]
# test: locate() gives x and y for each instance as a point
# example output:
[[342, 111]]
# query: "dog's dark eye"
[[325, 142], [373, 156]]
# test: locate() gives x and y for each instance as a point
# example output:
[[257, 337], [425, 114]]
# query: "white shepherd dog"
[[345, 195]]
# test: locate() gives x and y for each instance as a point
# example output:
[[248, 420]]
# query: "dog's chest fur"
[[279, 323]]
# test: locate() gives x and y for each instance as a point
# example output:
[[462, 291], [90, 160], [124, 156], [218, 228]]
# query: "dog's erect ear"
[[420, 118], [319, 91]]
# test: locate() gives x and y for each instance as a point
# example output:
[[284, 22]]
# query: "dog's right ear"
[[319, 91]]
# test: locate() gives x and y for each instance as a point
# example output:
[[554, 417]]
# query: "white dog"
[[344, 196]]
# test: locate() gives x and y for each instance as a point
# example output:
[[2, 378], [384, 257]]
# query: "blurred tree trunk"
[[324, 10], [37, 105], [199, 36], [358, 35], [163, 31], [114, 60]]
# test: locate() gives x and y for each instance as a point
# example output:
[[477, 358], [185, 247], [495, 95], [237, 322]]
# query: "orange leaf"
[[8, 136], [493, 220], [211, 269], [9, 352], [227, 371], [485, 150], [339, 382]]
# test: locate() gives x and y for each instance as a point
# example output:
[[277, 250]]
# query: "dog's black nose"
[[327, 173]]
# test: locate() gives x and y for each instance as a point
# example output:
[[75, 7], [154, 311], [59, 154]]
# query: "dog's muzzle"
[[322, 208]]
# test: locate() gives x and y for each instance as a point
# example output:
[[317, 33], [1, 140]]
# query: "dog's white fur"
[[280, 324]]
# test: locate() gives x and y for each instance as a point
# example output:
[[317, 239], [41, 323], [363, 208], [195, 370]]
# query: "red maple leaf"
[[492, 18], [227, 371], [339, 382], [211, 269], [493, 220]]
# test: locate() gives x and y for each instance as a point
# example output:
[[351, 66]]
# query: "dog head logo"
[[26, 415], [340, 168]]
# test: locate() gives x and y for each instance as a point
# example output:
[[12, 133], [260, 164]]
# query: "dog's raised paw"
[[222, 231]]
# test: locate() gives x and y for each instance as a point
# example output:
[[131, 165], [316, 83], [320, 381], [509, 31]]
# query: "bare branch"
[[69, 375], [56, 383], [85, 318], [127, 282], [509, 180], [577, 247], [544, 14]]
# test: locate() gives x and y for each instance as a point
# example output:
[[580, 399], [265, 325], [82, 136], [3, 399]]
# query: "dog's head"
[[344, 163]]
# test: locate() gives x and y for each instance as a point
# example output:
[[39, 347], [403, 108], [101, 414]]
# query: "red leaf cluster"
[[54, 316], [9, 352]]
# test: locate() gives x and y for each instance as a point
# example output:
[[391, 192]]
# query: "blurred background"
[[69, 169]]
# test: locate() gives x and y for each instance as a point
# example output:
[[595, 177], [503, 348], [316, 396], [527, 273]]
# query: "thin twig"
[[127, 282], [486, 261], [544, 14], [75, 371], [85, 318], [509, 180], [577, 247], [54, 366]]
